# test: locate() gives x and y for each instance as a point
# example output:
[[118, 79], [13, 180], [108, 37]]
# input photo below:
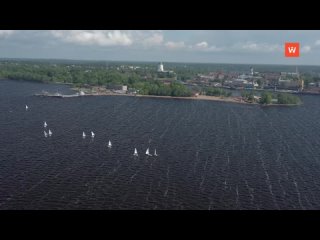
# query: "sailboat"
[[135, 152], [45, 133], [147, 152], [27, 107], [109, 144], [155, 152], [45, 124], [92, 134], [83, 134], [50, 133]]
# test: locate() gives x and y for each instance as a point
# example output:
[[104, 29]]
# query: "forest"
[[142, 78]]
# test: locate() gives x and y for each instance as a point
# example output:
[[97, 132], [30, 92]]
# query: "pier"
[[58, 95]]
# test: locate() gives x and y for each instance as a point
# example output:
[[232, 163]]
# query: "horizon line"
[[150, 61]]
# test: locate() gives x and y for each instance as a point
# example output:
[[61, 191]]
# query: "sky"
[[199, 46]]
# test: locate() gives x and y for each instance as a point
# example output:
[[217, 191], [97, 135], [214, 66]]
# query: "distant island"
[[146, 79]]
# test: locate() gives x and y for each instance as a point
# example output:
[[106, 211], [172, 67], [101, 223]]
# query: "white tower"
[[160, 67], [251, 71]]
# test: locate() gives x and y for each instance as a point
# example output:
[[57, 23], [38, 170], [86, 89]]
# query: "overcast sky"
[[210, 46]]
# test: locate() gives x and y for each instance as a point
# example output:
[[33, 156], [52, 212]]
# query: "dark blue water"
[[212, 155]]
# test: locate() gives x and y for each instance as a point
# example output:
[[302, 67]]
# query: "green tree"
[[266, 98], [284, 98]]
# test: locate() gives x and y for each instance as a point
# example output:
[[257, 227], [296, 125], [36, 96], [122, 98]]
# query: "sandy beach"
[[202, 97]]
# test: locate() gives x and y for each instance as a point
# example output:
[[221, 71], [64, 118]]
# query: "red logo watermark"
[[292, 49]]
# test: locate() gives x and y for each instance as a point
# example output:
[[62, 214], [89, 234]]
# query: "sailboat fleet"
[[46, 134], [49, 133], [135, 153], [147, 152]]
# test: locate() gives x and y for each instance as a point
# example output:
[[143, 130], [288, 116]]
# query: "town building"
[[160, 67]]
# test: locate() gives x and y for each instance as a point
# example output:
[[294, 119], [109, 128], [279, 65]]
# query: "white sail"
[[155, 152], [50, 133], [45, 124], [109, 144], [92, 134], [83, 134], [45, 133], [27, 107], [148, 153], [135, 152]]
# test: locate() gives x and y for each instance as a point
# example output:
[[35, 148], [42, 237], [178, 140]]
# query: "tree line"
[[269, 97], [141, 79], [211, 91]]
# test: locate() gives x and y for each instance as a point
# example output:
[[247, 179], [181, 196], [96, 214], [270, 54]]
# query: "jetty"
[[59, 95]]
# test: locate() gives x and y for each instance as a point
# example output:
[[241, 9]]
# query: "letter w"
[[292, 49]]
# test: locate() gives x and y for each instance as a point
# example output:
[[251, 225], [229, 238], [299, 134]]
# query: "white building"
[[160, 67]]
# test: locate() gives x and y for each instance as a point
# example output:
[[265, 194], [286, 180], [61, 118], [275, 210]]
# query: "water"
[[212, 155]]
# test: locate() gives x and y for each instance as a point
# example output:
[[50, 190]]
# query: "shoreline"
[[236, 100], [211, 98], [200, 97]]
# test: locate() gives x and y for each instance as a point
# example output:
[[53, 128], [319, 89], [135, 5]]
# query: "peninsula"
[[266, 99], [197, 81]]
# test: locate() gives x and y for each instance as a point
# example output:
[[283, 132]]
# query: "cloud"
[[214, 49], [250, 46], [202, 45], [256, 47], [306, 49], [6, 33], [156, 39], [175, 45], [205, 47], [111, 37], [149, 38], [94, 37], [198, 47]]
